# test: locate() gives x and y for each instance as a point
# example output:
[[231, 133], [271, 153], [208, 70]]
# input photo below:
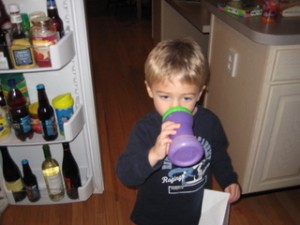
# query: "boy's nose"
[[175, 104]]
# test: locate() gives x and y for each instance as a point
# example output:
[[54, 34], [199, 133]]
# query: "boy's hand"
[[161, 146], [234, 191]]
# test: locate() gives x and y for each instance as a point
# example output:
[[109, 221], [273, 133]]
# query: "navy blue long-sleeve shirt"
[[168, 194]]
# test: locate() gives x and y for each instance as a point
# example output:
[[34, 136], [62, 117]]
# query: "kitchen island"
[[255, 90]]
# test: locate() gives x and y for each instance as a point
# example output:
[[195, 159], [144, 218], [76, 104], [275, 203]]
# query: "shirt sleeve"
[[133, 166], [221, 162]]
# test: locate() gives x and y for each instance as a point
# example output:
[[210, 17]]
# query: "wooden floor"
[[119, 46]]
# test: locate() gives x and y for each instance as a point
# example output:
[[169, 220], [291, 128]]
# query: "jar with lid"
[[43, 34]]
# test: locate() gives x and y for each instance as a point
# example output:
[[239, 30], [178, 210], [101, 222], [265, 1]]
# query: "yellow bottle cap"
[[63, 101], [33, 108]]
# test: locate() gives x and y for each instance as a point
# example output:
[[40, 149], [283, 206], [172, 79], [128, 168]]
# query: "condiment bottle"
[[43, 34], [21, 49]]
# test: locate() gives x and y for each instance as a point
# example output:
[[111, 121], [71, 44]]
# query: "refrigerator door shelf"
[[61, 54], [71, 129], [85, 191]]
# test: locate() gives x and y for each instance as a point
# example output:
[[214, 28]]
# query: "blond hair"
[[177, 59]]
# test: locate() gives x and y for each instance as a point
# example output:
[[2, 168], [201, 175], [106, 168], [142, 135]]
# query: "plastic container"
[[4, 126], [63, 105], [35, 122], [185, 149]]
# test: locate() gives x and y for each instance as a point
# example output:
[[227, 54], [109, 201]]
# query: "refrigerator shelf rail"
[[84, 192], [61, 54], [71, 129]]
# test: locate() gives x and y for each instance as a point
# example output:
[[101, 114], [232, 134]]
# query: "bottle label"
[[49, 127], [68, 183], [15, 18], [54, 184], [15, 186], [23, 57], [33, 192], [25, 124], [41, 48]]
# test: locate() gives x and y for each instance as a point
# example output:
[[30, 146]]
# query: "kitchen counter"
[[284, 31], [194, 12]]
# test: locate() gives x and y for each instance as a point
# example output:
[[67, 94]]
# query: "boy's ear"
[[149, 91]]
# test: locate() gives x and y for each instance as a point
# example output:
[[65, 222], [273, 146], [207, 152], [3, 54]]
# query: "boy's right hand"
[[161, 147]]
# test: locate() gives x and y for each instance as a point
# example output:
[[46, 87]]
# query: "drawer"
[[286, 65]]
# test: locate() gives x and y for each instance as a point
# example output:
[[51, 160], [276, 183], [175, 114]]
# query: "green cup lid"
[[175, 109]]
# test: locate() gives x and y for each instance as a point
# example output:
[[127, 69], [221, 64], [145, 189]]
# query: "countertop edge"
[[203, 25], [261, 38]]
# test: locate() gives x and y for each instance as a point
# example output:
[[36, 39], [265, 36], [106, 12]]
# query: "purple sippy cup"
[[185, 149]]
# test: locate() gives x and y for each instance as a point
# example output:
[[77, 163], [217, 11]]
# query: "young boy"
[[176, 75]]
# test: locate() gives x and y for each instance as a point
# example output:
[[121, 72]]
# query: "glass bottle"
[[31, 185], [52, 175], [46, 115], [12, 176], [43, 35], [52, 12], [70, 172], [26, 25], [21, 49], [19, 114], [4, 17]]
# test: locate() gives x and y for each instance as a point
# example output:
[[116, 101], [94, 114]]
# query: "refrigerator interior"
[[70, 72]]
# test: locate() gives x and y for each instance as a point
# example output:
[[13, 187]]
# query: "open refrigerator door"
[[70, 73]]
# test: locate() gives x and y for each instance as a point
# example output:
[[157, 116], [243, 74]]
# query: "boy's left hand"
[[234, 191]]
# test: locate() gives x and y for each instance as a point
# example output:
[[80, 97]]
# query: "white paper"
[[215, 208]]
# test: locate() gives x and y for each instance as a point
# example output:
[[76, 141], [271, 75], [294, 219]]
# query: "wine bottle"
[[12, 176], [19, 114], [57, 21], [70, 172], [31, 185], [52, 175], [46, 115], [4, 17]]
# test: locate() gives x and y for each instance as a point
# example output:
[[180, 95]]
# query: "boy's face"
[[171, 94]]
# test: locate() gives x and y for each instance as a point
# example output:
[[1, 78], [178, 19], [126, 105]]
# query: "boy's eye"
[[164, 96], [187, 98]]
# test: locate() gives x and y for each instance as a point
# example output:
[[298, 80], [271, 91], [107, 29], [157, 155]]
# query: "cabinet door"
[[277, 163]]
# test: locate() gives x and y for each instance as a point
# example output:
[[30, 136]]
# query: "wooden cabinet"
[[259, 107]]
